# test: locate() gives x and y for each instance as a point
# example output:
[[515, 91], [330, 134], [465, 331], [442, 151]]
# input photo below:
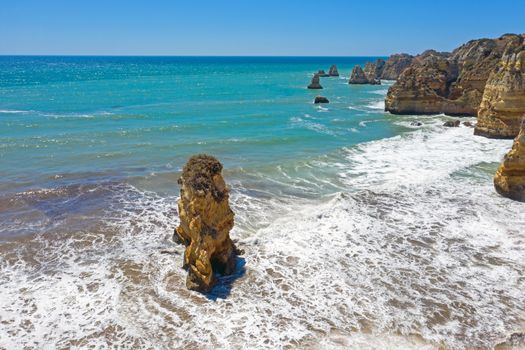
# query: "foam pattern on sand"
[[399, 243]]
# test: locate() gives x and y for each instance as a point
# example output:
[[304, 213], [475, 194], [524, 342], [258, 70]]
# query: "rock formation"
[[322, 73], [205, 222], [333, 71], [509, 180], [452, 123], [315, 84], [503, 101], [358, 77], [448, 83], [321, 99], [374, 70], [395, 65]]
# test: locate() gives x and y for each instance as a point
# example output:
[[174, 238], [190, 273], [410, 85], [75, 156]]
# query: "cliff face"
[[503, 101], [448, 83], [509, 180], [358, 76], [423, 88], [374, 70], [205, 222], [395, 65]]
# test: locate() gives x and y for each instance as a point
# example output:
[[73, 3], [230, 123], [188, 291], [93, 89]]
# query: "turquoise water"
[[132, 116], [360, 230]]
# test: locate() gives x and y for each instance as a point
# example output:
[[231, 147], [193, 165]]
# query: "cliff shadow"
[[224, 283]]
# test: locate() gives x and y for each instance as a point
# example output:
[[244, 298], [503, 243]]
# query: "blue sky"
[[250, 27]]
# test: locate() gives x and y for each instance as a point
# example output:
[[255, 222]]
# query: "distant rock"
[[358, 77], [509, 180], [416, 124], [321, 99], [322, 73], [468, 124], [452, 123], [315, 83], [333, 71], [205, 222], [395, 65], [374, 70]]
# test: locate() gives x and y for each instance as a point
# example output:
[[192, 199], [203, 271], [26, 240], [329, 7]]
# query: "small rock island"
[[315, 83], [358, 76], [205, 223]]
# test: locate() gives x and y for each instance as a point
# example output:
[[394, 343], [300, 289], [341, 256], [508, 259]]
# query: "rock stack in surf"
[[333, 72], [359, 77], [373, 70], [321, 99], [205, 222], [509, 180], [315, 83]]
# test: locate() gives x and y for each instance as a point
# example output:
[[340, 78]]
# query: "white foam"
[[377, 105], [13, 111], [311, 125], [381, 92], [420, 156], [417, 244]]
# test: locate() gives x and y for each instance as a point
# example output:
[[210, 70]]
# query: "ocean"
[[360, 230]]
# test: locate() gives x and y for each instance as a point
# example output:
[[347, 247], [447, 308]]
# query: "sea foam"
[[413, 249]]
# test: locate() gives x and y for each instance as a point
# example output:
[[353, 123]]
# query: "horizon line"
[[105, 55]]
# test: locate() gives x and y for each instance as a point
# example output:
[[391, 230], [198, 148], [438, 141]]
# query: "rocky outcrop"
[[205, 222], [333, 71], [358, 77], [509, 180], [315, 83], [321, 99], [453, 83], [395, 65], [503, 101], [452, 123], [374, 70], [322, 73], [422, 88]]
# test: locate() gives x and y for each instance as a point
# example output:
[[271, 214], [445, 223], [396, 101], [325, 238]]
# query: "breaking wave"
[[398, 243]]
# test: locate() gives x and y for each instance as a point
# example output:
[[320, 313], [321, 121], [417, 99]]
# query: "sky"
[[250, 27]]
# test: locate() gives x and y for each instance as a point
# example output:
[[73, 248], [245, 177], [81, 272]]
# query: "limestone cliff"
[[358, 76], [448, 83], [503, 101], [509, 180], [395, 65], [423, 89], [205, 222], [374, 70]]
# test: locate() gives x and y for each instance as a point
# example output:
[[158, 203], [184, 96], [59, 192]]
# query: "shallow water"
[[360, 231]]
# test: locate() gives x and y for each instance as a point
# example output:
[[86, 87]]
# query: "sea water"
[[360, 230]]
